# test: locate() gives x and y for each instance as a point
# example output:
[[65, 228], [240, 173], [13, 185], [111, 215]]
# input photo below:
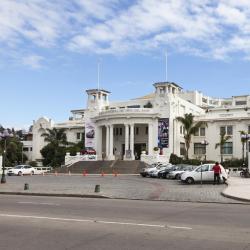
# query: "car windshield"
[[18, 167]]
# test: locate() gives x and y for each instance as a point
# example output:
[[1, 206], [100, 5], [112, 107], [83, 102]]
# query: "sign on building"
[[89, 134], [163, 133]]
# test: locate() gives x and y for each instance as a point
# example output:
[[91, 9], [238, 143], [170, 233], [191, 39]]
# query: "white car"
[[207, 174], [21, 170]]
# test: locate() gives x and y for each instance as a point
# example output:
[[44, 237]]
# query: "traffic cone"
[[84, 173], [115, 173], [55, 173], [102, 173], [69, 173]]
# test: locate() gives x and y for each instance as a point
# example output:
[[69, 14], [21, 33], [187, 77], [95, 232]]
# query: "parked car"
[[163, 173], [154, 173], [88, 151], [146, 171], [193, 176], [21, 170], [176, 174]]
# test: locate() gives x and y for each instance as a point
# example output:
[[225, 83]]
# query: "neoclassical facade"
[[123, 130]]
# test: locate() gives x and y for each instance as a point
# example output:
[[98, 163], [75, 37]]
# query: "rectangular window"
[[116, 131], [196, 133], [146, 131], [181, 130], [83, 136], [120, 131], [25, 149], [202, 131], [137, 131], [199, 149], [227, 148], [182, 148], [227, 130], [78, 136], [249, 129], [240, 103]]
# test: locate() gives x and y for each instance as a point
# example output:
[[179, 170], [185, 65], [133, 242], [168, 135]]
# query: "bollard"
[[97, 188], [26, 186]]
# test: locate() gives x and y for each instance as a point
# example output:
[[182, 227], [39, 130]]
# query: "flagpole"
[[98, 75], [166, 64]]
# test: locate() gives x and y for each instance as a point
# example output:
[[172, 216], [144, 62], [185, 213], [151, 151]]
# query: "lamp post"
[[205, 143], [4, 135], [246, 137]]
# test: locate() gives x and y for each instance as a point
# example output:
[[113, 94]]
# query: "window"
[[227, 130], [227, 148], [120, 131], [249, 129], [116, 131], [78, 136], [146, 131], [137, 131], [240, 103], [25, 149], [200, 132], [181, 130], [199, 149], [182, 148]]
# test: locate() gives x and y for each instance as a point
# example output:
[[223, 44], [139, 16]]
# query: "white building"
[[122, 130]]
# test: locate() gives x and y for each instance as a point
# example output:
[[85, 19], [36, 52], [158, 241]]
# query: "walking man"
[[217, 172]]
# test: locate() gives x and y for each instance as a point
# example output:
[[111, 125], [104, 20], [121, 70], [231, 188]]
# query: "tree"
[[54, 152], [190, 127], [243, 142], [223, 139]]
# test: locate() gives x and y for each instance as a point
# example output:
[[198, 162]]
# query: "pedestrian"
[[217, 172]]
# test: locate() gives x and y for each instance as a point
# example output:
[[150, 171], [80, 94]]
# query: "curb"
[[57, 195], [234, 197], [116, 198]]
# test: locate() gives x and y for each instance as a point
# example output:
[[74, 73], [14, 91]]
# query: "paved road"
[[129, 187], [70, 223]]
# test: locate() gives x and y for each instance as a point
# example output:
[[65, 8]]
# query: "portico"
[[118, 138]]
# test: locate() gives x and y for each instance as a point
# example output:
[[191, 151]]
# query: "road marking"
[[94, 221], [38, 203]]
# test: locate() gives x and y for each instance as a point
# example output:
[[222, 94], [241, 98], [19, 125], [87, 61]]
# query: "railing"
[[150, 159], [126, 110], [70, 160]]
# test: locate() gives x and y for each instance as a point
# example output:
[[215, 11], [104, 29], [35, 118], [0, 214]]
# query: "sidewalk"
[[238, 188]]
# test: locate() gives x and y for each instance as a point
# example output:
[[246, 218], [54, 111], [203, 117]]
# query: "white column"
[[111, 143], [132, 141], [99, 142], [126, 139], [107, 141], [150, 139]]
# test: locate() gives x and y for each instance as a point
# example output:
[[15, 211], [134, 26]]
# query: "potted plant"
[[156, 150]]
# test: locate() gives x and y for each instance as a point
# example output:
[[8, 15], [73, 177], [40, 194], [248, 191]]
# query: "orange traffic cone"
[[102, 173], [115, 173], [84, 173]]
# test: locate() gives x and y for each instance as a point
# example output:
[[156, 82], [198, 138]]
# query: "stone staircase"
[[107, 167]]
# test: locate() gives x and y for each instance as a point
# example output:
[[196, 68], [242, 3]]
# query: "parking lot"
[[122, 186]]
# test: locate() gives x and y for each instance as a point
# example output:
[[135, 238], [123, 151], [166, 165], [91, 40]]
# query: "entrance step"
[[107, 167]]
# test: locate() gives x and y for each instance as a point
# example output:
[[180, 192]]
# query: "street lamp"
[[205, 143], [4, 135], [246, 138]]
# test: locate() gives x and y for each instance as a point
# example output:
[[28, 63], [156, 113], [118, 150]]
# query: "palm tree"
[[190, 127], [243, 142], [56, 137], [223, 139]]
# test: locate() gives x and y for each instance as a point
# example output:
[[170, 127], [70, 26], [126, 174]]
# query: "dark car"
[[165, 172], [88, 151]]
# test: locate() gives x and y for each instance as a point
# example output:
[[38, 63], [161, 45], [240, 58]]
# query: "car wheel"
[[19, 173], [177, 176], [32, 172], [190, 180], [224, 180]]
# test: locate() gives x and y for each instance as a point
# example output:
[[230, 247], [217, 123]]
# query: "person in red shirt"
[[217, 172]]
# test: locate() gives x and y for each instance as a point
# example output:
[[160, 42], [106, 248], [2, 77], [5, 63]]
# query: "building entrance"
[[138, 148]]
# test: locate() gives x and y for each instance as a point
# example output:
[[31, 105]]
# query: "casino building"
[[133, 129]]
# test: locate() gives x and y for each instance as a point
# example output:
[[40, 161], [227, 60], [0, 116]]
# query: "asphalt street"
[[75, 223]]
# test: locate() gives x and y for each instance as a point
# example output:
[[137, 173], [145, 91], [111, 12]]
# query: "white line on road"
[[94, 221], [38, 203]]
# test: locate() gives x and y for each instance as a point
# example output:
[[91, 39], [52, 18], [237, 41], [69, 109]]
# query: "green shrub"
[[174, 159]]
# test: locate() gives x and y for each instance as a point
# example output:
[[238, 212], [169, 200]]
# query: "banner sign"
[[163, 133], [89, 134]]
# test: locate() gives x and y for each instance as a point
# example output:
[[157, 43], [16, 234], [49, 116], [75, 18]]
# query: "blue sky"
[[49, 51]]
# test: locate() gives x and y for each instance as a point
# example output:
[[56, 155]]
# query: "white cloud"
[[210, 28], [33, 61]]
